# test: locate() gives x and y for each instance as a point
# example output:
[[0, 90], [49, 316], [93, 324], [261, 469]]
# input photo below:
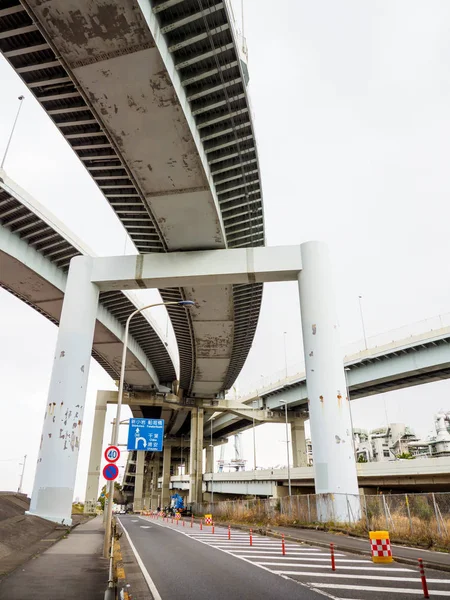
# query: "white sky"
[[351, 112]]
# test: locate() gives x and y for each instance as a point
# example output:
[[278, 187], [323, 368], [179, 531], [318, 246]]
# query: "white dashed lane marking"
[[312, 566]]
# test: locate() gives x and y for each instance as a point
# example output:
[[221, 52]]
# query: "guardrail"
[[414, 518]]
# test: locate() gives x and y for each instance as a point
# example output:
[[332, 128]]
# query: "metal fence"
[[419, 518]]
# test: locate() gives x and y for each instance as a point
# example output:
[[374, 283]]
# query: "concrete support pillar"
[[95, 458], [196, 456], [331, 432], [165, 490], [298, 442], [147, 491], [139, 480], [187, 462], [209, 459], [155, 477], [58, 452]]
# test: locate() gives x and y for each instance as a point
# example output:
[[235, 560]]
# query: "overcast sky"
[[351, 102]]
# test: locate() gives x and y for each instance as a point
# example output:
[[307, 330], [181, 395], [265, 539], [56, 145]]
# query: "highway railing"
[[400, 335]]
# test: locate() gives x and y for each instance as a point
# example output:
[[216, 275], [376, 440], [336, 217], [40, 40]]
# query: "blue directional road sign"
[[146, 434]]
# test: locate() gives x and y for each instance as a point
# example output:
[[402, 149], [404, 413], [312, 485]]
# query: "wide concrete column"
[[165, 489], [196, 455], [298, 442], [331, 432], [58, 452], [139, 480], [155, 502], [95, 458], [209, 467]]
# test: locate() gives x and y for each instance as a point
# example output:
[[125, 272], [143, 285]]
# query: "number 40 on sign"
[[112, 454]]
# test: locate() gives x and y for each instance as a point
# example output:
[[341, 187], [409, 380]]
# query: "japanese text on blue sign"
[[146, 434]]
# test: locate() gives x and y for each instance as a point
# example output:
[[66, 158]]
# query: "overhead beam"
[[208, 267]]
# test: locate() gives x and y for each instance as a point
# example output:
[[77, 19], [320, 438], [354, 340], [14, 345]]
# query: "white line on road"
[[273, 564], [322, 592], [236, 548], [349, 576], [145, 573], [294, 557], [338, 586]]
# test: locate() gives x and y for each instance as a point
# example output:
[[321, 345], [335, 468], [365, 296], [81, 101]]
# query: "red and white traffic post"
[[333, 564], [424, 579]]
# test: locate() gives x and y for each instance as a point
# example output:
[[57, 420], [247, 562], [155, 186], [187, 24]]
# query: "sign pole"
[[115, 431]]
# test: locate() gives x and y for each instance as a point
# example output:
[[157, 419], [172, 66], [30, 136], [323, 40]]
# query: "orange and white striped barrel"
[[381, 546]]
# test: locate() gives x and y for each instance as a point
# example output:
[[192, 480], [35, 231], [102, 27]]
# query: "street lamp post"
[[287, 445], [285, 356], [212, 463], [182, 464], [254, 447], [21, 99], [115, 430], [362, 321], [19, 491], [346, 370]]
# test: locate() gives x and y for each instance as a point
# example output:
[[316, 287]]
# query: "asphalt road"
[[182, 568], [186, 563]]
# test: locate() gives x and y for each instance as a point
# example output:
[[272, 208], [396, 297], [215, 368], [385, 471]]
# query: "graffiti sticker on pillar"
[[146, 434]]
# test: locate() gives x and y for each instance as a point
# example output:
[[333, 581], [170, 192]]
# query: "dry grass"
[[418, 531]]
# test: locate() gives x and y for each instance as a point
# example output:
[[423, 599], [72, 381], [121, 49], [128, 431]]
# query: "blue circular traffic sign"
[[110, 472]]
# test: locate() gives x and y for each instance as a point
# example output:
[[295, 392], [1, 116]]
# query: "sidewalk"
[[346, 543], [71, 569]]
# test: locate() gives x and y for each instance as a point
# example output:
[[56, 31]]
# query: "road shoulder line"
[[145, 573]]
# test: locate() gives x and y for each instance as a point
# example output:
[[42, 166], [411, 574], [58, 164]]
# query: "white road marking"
[[145, 526], [329, 567], [145, 573], [322, 592], [236, 548], [304, 557], [349, 576], [338, 586]]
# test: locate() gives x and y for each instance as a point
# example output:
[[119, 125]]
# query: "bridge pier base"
[[139, 480], [56, 469], [154, 489], [165, 487], [209, 467], [331, 430], [196, 455], [299, 456], [95, 457]]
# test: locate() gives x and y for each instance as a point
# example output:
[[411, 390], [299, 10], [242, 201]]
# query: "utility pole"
[[19, 491], [21, 99]]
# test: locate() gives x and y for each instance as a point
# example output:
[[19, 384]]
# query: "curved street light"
[[115, 431]]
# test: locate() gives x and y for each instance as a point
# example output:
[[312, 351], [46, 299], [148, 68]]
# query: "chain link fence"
[[416, 518]]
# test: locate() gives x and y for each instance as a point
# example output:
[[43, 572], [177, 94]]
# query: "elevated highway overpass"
[[418, 475], [152, 98], [35, 250], [414, 360]]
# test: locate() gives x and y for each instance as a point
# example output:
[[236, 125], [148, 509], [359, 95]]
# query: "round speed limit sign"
[[112, 454]]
